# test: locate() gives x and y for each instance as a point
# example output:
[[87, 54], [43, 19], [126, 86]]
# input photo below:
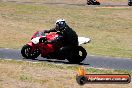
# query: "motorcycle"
[[93, 2], [39, 46]]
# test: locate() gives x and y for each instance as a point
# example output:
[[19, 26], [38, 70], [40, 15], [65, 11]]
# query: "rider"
[[69, 36]]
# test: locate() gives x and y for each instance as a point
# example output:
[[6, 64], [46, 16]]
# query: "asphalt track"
[[90, 61]]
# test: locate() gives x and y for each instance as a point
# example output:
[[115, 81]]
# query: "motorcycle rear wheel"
[[26, 52], [77, 55]]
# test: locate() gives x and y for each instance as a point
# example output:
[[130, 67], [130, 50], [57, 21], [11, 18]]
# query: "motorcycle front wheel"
[[27, 52]]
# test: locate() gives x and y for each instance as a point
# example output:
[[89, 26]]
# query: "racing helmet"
[[60, 24]]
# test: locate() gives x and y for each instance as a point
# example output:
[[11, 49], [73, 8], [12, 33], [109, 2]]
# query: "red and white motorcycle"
[[38, 46]]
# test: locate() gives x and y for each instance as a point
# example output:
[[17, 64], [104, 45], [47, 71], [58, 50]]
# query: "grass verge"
[[23, 74]]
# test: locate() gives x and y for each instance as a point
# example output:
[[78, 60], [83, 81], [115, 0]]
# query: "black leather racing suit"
[[69, 36]]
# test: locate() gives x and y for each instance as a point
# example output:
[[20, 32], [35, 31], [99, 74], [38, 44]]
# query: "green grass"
[[109, 28]]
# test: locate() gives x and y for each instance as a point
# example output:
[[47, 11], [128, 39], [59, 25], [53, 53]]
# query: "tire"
[[26, 52], [75, 57]]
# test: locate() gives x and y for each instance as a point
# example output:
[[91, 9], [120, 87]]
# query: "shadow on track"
[[54, 61], [62, 62]]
